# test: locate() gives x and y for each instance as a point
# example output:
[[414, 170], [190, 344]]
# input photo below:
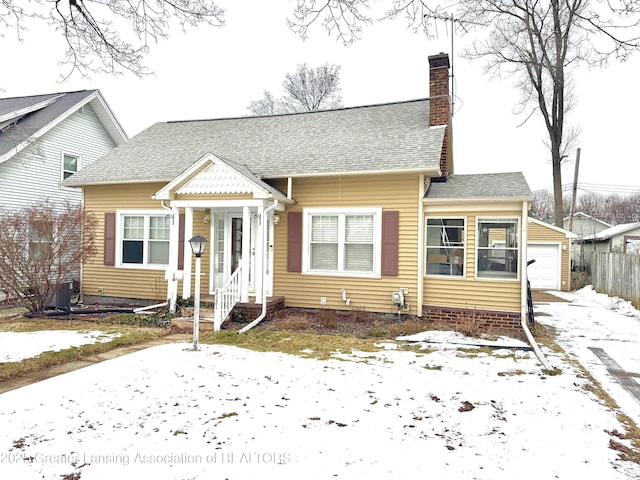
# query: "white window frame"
[[307, 213], [498, 275], [120, 214], [464, 246], [78, 164]]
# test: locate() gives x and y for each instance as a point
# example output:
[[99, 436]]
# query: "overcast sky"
[[214, 73]]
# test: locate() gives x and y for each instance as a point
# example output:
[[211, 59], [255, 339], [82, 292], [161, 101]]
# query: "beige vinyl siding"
[[541, 234], [390, 192], [468, 291], [121, 282]]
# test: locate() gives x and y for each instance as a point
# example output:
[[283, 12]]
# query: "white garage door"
[[544, 273]]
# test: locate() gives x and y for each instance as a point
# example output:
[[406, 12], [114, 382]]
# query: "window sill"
[[342, 274], [136, 266]]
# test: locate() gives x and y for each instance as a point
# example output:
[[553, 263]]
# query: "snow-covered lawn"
[[446, 412], [16, 346]]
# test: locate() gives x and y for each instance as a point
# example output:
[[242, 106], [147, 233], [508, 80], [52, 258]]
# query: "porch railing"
[[226, 298]]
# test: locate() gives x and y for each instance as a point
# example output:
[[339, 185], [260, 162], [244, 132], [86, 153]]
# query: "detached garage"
[[550, 247]]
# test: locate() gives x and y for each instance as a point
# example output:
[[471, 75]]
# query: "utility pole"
[[575, 191]]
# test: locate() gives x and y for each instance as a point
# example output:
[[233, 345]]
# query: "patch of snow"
[[168, 412], [16, 346], [457, 338]]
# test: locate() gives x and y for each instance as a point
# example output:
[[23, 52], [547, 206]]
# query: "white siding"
[[36, 172]]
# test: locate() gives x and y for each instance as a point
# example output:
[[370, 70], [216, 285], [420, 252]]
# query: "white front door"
[[226, 255], [227, 232]]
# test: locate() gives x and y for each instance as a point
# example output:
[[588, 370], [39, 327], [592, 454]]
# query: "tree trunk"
[[556, 159]]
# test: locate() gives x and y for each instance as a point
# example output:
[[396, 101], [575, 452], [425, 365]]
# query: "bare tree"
[[88, 26], [538, 42], [267, 105], [42, 247], [306, 90], [542, 205]]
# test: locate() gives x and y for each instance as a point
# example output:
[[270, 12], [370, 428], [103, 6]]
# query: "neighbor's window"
[[497, 250], [69, 165], [40, 239], [445, 246], [345, 242], [145, 239]]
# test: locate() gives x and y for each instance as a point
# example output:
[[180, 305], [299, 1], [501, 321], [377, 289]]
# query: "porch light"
[[198, 244]]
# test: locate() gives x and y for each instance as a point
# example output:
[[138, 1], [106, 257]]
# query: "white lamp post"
[[198, 244]]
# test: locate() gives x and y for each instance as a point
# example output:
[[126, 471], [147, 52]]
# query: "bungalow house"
[[45, 139], [347, 208]]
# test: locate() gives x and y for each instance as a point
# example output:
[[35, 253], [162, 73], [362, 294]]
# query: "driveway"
[[603, 334]]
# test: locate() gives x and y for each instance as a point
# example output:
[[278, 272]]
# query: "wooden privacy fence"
[[617, 274]]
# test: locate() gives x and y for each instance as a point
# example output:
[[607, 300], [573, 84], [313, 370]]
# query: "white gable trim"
[[566, 233], [194, 180]]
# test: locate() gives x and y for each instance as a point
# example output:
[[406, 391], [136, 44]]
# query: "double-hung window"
[[144, 239], [70, 165], [445, 246], [40, 241], [343, 242], [497, 250]]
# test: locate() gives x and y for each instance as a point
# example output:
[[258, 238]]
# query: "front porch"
[[236, 214]]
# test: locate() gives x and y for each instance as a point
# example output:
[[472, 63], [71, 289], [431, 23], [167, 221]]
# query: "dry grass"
[[311, 345]]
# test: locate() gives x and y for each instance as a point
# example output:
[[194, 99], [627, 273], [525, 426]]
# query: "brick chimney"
[[439, 108]]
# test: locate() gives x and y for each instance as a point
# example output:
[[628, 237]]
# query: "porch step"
[[185, 324], [207, 298], [252, 310]]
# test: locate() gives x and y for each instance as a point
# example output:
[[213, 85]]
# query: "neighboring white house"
[[583, 225], [47, 138], [623, 238]]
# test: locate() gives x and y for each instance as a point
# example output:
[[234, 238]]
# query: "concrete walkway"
[[23, 380]]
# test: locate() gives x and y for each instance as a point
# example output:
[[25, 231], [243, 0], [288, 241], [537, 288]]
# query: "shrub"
[[360, 315], [469, 325], [327, 318]]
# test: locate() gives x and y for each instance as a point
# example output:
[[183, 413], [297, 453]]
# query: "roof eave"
[[430, 171], [477, 199]]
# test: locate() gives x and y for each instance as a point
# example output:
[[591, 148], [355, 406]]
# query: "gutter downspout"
[[150, 307], [523, 290], [263, 314]]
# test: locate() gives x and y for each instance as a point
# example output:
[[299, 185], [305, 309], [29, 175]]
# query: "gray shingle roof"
[[510, 185], [372, 138], [26, 117]]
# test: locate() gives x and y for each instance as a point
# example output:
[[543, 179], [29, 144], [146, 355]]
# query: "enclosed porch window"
[[497, 250]]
